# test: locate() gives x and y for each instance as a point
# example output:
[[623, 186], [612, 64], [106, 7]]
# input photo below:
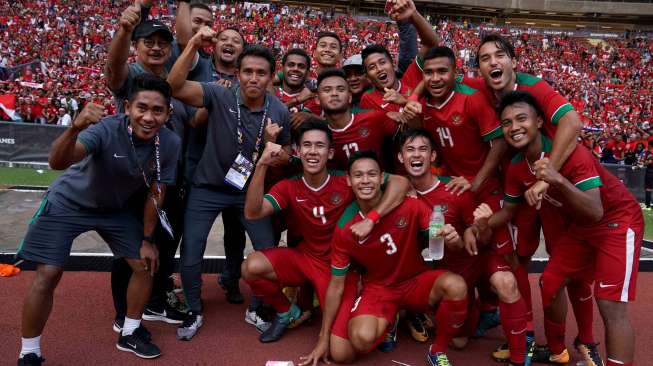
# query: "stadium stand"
[[51, 60]]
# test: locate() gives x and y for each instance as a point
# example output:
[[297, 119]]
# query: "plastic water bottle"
[[436, 242]]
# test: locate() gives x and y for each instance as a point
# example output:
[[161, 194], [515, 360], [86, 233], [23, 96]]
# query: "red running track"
[[79, 330]]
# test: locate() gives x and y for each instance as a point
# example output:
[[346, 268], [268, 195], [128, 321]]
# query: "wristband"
[[374, 216], [413, 97], [149, 238]]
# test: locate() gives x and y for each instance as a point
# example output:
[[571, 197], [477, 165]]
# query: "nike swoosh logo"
[[115, 155], [517, 333], [602, 285], [457, 325], [499, 246], [131, 345], [503, 267], [363, 241], [159, 314], [301, 200], [529, 183], [426, 118], [232, 111], [385, 105], [583, 299]]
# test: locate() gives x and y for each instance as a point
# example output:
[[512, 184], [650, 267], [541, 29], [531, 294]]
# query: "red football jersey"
[[462, 128], [313, 212], [391, 253], [373, 98], [585, 172], [414, 73], [312, 105], [365, 131], [552, 103], [458, 211]]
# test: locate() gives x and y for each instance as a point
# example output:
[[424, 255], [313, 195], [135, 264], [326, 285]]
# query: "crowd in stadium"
[[618, 102], [458, 144]]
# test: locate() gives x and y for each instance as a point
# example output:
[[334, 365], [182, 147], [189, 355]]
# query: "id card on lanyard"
[[163, 218], [241, 169]]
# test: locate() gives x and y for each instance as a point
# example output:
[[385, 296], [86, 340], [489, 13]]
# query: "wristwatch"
[[149, 238]]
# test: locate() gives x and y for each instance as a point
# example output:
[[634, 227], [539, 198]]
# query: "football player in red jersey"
[[314, 201], [388, 92], [467, 132], [293, 92], [352, 131], [395, 273], [497, 62], [599, 214], [327, 54], [417, 154]]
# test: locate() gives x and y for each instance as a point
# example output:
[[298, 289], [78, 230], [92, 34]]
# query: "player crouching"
[[395, 274]]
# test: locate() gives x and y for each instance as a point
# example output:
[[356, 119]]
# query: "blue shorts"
[[53, 228]]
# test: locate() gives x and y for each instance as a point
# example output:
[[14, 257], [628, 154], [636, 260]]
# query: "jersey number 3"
[[387, 240]]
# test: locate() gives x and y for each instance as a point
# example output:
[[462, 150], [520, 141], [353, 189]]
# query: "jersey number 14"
[[445, 136]]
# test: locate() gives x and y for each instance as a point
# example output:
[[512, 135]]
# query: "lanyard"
[[241, 135], [157, 156]]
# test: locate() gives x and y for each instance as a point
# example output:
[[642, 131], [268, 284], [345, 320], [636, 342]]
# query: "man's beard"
[[335, 110]]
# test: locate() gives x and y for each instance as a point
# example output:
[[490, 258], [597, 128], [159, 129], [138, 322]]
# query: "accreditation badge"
[[239, 172]]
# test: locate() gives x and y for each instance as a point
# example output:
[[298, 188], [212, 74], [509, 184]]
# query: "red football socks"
[[555, 336], [513, 320], [580, 296], [521, 274], [449, 318], [270, 293]]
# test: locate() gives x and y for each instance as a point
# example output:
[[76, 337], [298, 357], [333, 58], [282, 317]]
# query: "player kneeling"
[[594, 224], [395, 275]]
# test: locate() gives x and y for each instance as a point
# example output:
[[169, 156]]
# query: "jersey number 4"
[[350, 148], [445, 136], [387, 240], [318, 212]]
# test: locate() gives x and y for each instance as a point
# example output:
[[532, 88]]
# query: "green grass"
[[648, 225], [28, 177]]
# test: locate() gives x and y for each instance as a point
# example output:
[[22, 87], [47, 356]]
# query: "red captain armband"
[[374, 216]]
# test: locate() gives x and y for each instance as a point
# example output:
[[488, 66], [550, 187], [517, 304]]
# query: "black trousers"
[[162, 283]]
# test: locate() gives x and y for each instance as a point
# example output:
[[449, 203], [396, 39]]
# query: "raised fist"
[[205, 37], [91, 114], [131, 17]]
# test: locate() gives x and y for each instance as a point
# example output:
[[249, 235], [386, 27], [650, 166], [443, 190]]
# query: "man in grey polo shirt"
[[239, 117], [218, 67], [109, 165]]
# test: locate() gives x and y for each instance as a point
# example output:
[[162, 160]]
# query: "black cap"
[[149, 27]]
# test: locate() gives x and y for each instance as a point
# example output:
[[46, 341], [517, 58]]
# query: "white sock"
[[130, 326], [30, 345]]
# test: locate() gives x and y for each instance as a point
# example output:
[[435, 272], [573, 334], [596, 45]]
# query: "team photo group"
[[402, 190]]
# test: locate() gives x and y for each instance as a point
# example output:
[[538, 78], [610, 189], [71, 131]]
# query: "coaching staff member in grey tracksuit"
[[241, 119], [108, 161]]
